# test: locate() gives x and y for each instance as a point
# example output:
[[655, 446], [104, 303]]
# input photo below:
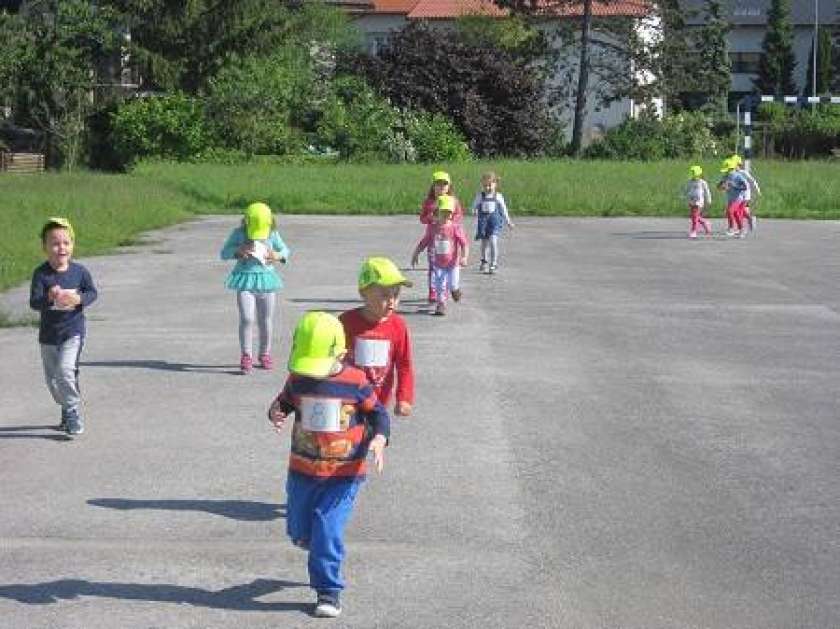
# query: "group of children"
[[343, 371], [738, 184]]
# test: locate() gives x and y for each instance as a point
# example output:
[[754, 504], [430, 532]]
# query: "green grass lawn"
[[110, 210]]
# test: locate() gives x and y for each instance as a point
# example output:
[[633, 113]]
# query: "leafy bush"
[[168, 126], [685, 134], [250, 103], [434, 138], [808, 132], [494, 97]]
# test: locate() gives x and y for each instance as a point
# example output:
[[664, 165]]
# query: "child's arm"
[[87, 290], [281, 408], [476, 204], [423, 244], [234, 245], [427, 211], [404, 364], [500, 199], [39, 298], [279, 251], [707, 194], [380, 421], [463, 243]]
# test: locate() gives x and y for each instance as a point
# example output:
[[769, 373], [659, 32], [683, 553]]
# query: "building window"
[[376, 42], [745, 62]]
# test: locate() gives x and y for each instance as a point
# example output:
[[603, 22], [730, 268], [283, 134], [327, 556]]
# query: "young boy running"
[[338, 420], [378, 341]]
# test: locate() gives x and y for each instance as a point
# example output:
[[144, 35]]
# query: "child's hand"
[[67, 298], [53, 292], [377, 446], [276, 415], [464, 261], [244, 249], [511, 225], [402, 408]]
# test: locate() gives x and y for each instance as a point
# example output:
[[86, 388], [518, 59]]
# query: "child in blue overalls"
[[490, 208]]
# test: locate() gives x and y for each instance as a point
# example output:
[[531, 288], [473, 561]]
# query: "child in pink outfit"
[[699, 197], [448, 250], [441, 184]]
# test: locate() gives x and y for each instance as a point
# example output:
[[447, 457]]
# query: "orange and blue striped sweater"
[[352, 416]]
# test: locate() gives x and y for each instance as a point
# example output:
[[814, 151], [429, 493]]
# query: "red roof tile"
[[403, 7], [448, 9], [451, 9]]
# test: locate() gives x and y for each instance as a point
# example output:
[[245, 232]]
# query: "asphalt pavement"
[[623, 428]]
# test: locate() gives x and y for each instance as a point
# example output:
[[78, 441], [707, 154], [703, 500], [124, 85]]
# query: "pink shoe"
[[246, 364], [266, 361]]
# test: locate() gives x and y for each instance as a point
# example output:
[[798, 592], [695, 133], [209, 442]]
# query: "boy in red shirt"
[[378, 341]]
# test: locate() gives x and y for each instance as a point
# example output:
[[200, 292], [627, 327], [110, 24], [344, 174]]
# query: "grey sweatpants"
[[261, 304], [61, 371]]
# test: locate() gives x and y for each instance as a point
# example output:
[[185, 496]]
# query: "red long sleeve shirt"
[[382, 350]]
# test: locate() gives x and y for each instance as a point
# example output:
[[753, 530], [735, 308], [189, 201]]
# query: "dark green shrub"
[[167, 126]]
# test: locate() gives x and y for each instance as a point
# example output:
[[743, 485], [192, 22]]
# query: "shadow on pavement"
[[164, 365], [238, 597], [23, 432], [654, 235], [244, 510]]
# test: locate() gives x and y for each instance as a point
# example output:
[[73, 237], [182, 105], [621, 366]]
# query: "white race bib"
[[371, 352], [488, 207], [443, 247], [320, 414]]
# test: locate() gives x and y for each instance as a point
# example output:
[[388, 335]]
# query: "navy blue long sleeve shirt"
[[59, 325]]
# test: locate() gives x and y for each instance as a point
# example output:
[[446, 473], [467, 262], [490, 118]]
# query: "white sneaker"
[[742, 234], [731, 232], [327, 606], [692, 234]]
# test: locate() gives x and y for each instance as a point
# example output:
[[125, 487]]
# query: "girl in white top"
[[490, 206], [697, 193]]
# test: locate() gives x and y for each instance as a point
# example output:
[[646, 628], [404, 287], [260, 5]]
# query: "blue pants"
[[316, 513]]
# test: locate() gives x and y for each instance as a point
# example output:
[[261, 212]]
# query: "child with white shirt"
[[490, 207], [697, 193]]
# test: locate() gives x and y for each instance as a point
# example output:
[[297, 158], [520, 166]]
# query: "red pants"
[[735, 214], [697, 220]]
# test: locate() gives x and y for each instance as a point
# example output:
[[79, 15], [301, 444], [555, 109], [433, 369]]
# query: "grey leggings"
[[492, 244], [261, 304]]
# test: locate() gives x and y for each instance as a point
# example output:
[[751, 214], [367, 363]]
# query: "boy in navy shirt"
[[61, 290]]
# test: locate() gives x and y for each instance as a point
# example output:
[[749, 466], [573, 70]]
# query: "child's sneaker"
[[731, 232], [482, 265], [75, 425], [456, 294], [692, 234], [440, 310], [246, 364], [492, 269], [741, 234], [328, 606], [266, 362], [62, 426]]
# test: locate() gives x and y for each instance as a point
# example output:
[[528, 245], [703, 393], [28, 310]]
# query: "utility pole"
[[816, 44]]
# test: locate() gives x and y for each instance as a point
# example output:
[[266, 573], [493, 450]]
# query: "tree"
[[714, 69], [672, 62], [824, 65], [495, 98], [775, 70], [52, 81], [181, 44]]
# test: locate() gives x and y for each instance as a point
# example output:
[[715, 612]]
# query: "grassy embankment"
[[110, 210]]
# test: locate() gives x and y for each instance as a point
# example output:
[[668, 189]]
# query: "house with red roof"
[[378, 19]]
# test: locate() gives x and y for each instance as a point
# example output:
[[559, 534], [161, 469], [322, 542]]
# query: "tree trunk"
[[583, 79]]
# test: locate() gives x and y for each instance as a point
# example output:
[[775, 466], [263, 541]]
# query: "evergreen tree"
[[715, 68], [672, 64], [824, 65], [775, 71]]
